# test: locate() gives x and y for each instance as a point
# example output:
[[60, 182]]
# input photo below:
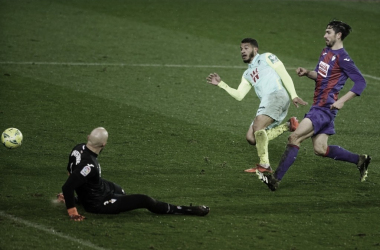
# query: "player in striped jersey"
[[333, 69]]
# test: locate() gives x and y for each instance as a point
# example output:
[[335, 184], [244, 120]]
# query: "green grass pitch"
[[138, 68]]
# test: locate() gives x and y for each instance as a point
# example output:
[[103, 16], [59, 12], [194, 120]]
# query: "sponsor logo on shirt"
[[323, 68], [255, 75], [333, 58], [347, 59], [273, 58], [86, 170]]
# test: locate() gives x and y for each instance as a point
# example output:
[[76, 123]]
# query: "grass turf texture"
[[172, 136]]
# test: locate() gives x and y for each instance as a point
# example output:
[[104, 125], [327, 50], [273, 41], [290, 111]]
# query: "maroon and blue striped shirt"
[[333, 70]]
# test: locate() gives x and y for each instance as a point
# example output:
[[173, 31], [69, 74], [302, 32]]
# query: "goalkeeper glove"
[[73, 213]]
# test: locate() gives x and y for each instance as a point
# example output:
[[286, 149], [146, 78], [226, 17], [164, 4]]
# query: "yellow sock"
[[277, 131], [262, 146]]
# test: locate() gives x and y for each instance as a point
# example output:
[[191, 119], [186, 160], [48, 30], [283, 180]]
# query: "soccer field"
[[139, 68]]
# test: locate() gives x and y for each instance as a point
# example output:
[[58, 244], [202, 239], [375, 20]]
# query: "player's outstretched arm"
[[287, 81], [304, 72], [213, 79], [238, 93], [68, 190]]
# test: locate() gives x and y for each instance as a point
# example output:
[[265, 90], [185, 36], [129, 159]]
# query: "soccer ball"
[[11, 138]]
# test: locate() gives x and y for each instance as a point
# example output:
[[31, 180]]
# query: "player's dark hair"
[[251, 41], [339, 26]]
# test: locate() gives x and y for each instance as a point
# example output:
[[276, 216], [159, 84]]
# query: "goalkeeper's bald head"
[[97, 140]]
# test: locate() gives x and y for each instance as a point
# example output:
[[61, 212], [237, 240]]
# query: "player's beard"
[[330, 43], [251, 56]]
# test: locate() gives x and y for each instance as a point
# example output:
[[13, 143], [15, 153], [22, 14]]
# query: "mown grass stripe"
[[143, 65], [49, 230]]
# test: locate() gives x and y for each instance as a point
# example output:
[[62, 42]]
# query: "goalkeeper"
[[268, 76], [100, 196]]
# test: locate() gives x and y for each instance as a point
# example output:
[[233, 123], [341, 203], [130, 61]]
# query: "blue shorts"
[[322, 120]]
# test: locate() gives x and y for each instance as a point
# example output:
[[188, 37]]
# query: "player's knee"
[[144, 201], [251, 140]]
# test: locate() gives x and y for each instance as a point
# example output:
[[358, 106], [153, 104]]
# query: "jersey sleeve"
[[76, 179], [68, 189], [240, 92], [279, 67], [350, 69]]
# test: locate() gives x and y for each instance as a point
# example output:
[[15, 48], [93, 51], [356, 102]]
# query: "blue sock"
[[286, 161], [340, 154]]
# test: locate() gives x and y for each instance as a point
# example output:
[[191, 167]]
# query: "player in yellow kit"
[[268, 76]]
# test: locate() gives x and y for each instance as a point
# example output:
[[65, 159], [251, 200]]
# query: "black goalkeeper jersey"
[[85, 179]]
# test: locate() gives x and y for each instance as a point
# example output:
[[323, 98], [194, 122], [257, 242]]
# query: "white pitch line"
[[143, 65], [121, 64], [49, 231], [373, 77]]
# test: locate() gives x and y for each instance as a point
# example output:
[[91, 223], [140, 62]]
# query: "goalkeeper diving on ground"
[[100, 196]]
